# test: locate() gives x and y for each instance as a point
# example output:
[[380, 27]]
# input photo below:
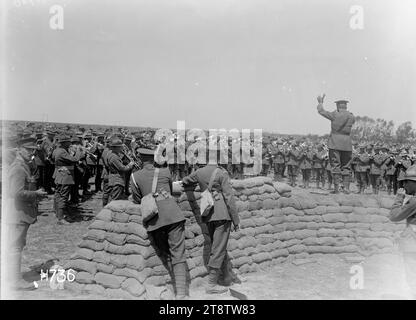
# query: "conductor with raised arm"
[[339, 144]]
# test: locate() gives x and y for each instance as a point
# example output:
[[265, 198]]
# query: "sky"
[[251, 64]]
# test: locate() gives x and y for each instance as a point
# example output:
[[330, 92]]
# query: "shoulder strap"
[[211, 180], [134, 180], [155, 176]]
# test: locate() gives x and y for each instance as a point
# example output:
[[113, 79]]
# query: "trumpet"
[[136, 165]]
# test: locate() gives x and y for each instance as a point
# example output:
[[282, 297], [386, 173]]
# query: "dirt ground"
[[324, 277]]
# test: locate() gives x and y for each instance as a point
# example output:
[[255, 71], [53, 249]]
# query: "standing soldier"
[[116, 170], [39, 160], [266, 158], [104, 159], [362, 165], [339, 144], [218, 220], [376, 162], [97, 150], [90, 162], [22, 211], [167, 229], [404, 208], [402, 165], [306, 161], [64, 177], [49, 146], [279, 161], [293, 157], [319, 166], [391, 172]]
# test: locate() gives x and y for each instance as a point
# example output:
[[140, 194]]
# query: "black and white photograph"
[[212, 151]]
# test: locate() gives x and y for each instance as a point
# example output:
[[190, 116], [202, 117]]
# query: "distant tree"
[[405, 133]]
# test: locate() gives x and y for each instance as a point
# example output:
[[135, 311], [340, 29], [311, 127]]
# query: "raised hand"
[[321, 98]]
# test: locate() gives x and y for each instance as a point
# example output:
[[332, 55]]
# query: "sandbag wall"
[[115, 257]]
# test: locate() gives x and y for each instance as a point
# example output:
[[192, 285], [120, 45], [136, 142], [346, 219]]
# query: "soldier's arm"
[[135, 191], [17, 188], [327, 114], [67, 157], [191, 179], [116, 162], [229, 197], [400, 212]]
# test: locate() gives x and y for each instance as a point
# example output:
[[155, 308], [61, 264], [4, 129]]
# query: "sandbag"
[[116, 238], [133, 286], [106, 268], [118, 293], [120, 216], [84, 277], [133, 239], [92, 245], [133, 209], [95, 235], [131, 273], [104, 215], [83, 253], [281, 187], [118, 205], [99, 225], [102, 257], [82, 265], [136, 219]]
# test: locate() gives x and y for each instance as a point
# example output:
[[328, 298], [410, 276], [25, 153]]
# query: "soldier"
[[319, 166], [402, 165], [116, 170], [90, 161], [79, 170], [266, 159], [39, 160], [22, 210], [362, 165], [404, 207], [218, 221], [167, 229], [339, 144], [391, 172], [97, 150], [104, 160], [278, 160], [293, 155], [306, 162], [64, 177], [49, 145], [376, 162]]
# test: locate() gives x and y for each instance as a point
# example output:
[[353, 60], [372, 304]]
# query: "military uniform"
[[278, 162], [64, 178], [293, 157], [218, 221], [116, 176], [376, 163], [404, 208], [361, 168], [21, 203], [104, 176], [339, 143], [391, 174], [319, 167], [167, 229], [306, 162]]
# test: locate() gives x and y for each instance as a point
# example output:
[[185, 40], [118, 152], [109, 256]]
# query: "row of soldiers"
[[376, 165]]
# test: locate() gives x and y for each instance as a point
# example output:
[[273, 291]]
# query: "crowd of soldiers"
[[376, 165], [65, 161]]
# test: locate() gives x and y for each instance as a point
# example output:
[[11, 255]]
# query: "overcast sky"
[[213, 63]]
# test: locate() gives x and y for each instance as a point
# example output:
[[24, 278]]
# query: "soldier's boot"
[[336, 180], [346, 181], [16, 280], [179, 271], [212, 286]]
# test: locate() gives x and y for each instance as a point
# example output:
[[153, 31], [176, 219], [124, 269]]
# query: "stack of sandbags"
[[255, 194], [115, 257]]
